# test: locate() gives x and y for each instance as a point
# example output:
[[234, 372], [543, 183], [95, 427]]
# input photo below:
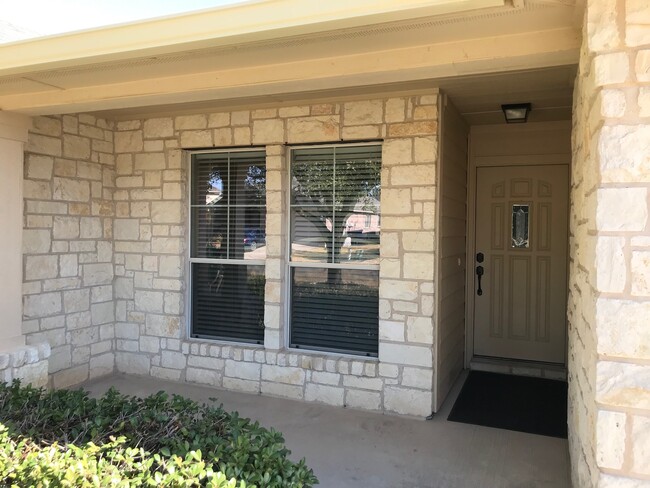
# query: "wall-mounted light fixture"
[[516, 113]]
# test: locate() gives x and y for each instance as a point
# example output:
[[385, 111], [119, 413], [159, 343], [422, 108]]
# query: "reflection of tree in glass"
[[215, 182], [255, 181], [324, 190]]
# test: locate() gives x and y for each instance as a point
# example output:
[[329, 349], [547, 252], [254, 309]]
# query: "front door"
[[521, 251]]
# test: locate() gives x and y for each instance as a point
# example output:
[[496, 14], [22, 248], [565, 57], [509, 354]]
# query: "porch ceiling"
[[404, 45], [479, 98]]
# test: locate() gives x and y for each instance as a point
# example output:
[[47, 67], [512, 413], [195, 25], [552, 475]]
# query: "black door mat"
[[521, 403]]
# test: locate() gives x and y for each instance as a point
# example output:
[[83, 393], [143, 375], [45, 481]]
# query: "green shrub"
[[24, 463], [66, 436]]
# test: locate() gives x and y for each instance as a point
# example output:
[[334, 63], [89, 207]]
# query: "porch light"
[[516, 113]]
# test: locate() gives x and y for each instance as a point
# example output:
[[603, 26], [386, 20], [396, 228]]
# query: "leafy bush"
[[75, 440], [24, 463]]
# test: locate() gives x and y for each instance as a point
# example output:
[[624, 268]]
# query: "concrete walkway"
[[348, 448]]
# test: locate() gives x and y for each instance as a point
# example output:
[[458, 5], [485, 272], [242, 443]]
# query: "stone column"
[[406, 269], [274, 310], [609, 303], [17, 361], [13, 136]]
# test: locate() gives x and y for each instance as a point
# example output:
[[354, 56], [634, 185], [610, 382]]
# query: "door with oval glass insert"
[[521, 230]]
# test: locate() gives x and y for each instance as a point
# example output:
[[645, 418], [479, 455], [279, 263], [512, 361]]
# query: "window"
[[334, 261], [228, 246], [520, 226]]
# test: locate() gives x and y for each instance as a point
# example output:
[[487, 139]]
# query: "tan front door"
[[521, 230]]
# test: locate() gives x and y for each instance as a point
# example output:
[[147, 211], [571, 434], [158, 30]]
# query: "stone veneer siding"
[[67, 245], [150, 233], [609, 303], [29, 364], [135, 312]]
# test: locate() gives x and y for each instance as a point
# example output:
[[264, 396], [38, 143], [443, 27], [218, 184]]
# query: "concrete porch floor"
[[351, 448]]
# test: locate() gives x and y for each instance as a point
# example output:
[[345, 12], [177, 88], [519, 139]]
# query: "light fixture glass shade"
[[516, 113]]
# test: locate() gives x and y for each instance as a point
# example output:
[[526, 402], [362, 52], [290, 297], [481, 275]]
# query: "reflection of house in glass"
[[356, 235], [364, 222], [362, 231]]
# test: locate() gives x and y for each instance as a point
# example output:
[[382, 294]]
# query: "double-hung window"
[[227, 245], [334, 257]]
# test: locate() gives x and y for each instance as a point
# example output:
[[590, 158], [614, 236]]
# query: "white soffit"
[[362, 55], [236, 24], [379, 38], [479, 98]]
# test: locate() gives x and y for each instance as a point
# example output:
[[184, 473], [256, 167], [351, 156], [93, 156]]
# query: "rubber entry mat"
[[521, 403]]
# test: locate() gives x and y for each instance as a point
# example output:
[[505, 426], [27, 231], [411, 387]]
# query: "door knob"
[[479, 272]]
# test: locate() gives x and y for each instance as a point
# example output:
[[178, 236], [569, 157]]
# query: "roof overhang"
[[279, 49], [252, 21]]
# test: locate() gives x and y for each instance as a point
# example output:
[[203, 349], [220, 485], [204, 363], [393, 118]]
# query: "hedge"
[[66, 438]]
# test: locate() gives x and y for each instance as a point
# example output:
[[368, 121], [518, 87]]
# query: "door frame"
[[476, 161]]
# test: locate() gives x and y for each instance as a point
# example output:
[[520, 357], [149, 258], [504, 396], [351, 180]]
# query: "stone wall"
[[150, 233], [67, 245], [609, 304], [29, 364]]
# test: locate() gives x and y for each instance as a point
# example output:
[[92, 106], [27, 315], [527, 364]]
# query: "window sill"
[[330, 355], [224, 343]]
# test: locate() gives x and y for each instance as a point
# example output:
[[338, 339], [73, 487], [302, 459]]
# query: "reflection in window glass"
[[335, 222], [335, 194], [228, 224], [361, 242], [228, 205], [311, 238]]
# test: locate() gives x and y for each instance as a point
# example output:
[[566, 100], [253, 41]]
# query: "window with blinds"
[[228, 245], [334, 261]]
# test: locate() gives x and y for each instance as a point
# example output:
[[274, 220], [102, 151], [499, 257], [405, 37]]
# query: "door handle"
[[479, 272]]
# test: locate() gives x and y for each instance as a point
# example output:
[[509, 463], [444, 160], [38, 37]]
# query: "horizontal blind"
[[228, 302], [334, 312], [228, 204], [228, 220], [335, 221]]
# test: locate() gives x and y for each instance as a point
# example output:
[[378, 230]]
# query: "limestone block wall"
[[150, 237], [29, 364], [67, 245], [609, 303]]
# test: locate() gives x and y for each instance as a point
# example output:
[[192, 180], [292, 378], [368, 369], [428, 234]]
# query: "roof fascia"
[[231, 25], [524, 51]]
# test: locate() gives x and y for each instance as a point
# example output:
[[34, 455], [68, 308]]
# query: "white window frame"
[[191, 260], [291, 264]]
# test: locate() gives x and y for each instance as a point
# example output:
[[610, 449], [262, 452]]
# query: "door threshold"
[[519, 368]]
